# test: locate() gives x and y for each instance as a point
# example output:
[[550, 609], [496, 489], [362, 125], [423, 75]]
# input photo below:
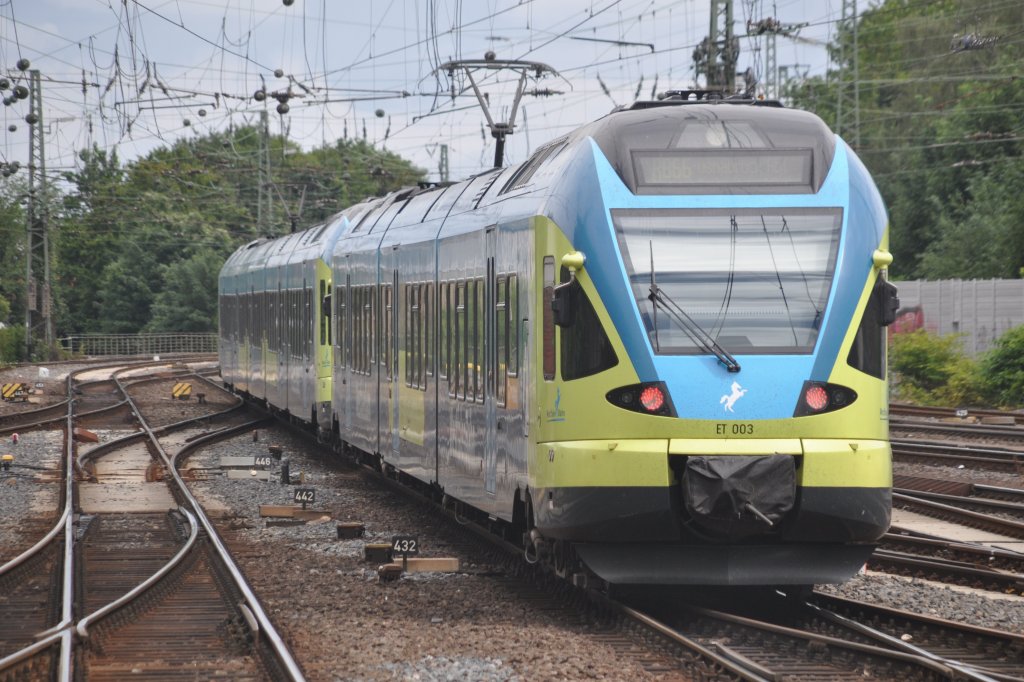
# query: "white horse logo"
[[730, 400]]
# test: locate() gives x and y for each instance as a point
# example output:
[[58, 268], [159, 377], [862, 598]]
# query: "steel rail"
[[969, 672], [266, 627], [162, 430], [63, 631], [82, 628], [997, 525], [1013, 582], [968, 430], [929, 662]]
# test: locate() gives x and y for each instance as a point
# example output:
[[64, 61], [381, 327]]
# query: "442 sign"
[[304, 496]]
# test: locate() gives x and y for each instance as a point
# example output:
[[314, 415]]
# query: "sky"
[[134, 75]]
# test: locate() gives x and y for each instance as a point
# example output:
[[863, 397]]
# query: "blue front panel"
[[700, 386]]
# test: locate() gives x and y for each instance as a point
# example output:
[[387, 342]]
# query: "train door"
[[342, 349], [490, 367]]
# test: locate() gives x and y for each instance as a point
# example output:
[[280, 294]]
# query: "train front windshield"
[[754, 280]]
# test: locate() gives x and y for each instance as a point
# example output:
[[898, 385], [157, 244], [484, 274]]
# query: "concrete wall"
[[979, 309]]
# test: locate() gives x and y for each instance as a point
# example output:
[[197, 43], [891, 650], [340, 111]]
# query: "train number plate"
[[405, 545]]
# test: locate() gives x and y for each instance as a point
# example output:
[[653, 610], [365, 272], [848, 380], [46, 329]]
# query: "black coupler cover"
[[735, 497]]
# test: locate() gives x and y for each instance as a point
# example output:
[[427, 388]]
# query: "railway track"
[[772, 637], [122, 576], [968, 504], [982, 416], [955, 454], [903, 552]]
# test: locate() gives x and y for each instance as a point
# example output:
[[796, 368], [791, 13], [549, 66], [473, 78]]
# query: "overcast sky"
[[155, 70]]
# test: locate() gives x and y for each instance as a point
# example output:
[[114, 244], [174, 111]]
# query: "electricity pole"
[[717, 55], [848, 90], [442, 166], [39, 302], [264, 207]]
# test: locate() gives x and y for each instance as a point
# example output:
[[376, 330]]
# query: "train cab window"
[[586, 349], [549, 318], [868, 350]]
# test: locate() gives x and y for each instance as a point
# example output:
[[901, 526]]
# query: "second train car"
[[654, 351]]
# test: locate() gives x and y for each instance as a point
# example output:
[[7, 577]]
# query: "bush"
[[12, 344], [932, 370], [1002, 369]]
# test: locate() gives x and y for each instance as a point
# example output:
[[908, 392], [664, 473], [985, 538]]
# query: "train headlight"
[[817, 398], [647, 398]]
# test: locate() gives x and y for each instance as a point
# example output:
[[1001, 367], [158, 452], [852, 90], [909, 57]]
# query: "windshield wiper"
[[687, 324]]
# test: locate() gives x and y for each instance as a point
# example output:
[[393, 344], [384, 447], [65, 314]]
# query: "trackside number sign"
[[304, 495], [405, 545]]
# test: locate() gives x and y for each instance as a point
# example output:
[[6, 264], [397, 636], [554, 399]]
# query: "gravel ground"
[[343, 623], [27, 490]]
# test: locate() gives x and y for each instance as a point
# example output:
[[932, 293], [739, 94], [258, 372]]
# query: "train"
[[653, 353]]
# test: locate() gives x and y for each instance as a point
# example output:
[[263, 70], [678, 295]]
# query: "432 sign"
[[405, 545]]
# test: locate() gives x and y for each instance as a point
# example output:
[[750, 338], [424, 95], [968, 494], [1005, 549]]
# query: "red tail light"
[[816, 398], [652, 398]]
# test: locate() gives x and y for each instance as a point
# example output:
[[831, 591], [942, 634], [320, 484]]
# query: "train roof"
[[731, 135]]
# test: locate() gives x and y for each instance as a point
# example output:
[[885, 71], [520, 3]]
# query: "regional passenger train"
[[654, 351]]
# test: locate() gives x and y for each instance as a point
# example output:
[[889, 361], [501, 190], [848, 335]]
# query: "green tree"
[[94, 224], [1002, 369], [188, 302], [12, 248], [940, 129], [932, 370], [126, 293]]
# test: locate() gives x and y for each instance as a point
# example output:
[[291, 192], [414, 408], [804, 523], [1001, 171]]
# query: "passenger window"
[[501, 338]]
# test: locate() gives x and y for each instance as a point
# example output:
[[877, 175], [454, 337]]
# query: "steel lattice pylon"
[[39, 302], [848, 86]]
